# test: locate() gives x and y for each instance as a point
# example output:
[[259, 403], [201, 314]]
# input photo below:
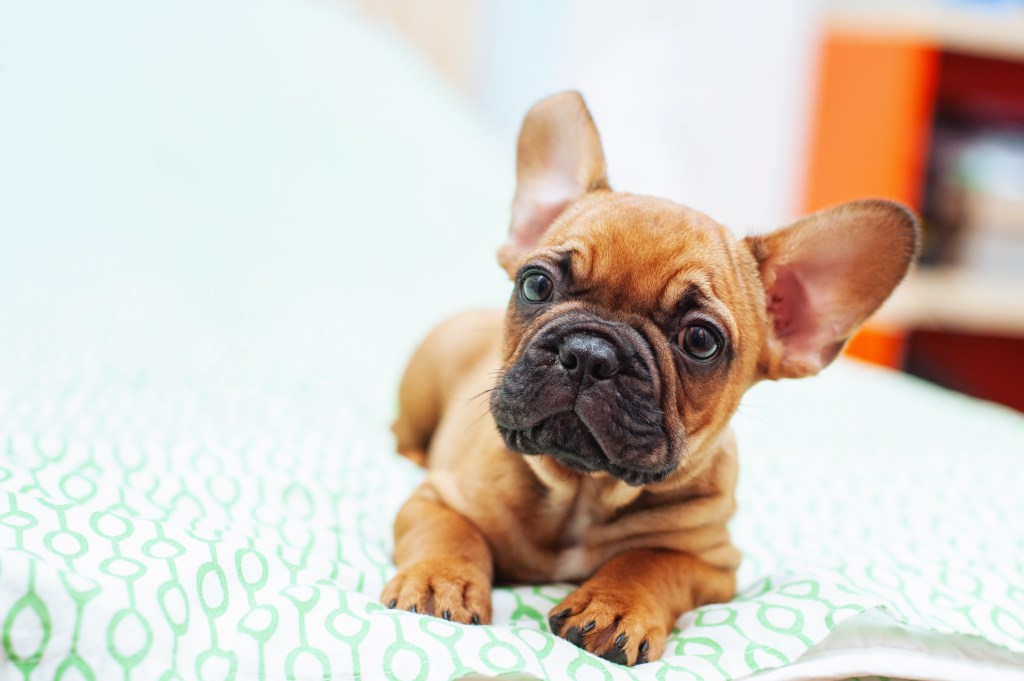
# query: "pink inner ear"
[[807, 319], [537, 204], [530, 223], [785, 299]]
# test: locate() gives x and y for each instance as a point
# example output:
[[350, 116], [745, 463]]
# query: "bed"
[[222, 230]]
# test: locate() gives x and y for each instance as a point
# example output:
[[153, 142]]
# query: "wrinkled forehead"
[[643, 252]]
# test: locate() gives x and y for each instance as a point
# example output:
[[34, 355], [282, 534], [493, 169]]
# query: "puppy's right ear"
[[559, 160]]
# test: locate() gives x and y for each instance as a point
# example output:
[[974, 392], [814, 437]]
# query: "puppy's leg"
[[419, 405], [445, 566], [626, 610]]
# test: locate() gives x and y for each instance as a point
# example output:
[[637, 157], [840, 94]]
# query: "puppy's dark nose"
[[586, 356]]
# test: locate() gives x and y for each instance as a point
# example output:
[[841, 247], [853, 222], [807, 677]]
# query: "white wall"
[[705, 103]]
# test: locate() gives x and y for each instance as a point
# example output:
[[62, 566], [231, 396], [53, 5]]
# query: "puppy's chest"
[[581, 542]]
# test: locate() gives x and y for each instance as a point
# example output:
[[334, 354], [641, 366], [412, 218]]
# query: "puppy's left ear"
[[824, 274], [559, 159]]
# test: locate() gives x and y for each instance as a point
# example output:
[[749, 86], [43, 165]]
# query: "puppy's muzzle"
[[585, 390]]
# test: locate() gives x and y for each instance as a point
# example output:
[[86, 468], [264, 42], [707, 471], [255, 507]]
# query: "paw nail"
[[620, 640], [412, 609], [555, 621], [641, 658], [616, 655], [447, 615], [475, 619], [590, 626], [393, 602], [574, 636]]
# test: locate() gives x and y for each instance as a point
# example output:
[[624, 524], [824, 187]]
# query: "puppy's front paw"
[[456, 591], [620, 625]]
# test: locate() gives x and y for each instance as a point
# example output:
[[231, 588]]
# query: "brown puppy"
[[634, 328]]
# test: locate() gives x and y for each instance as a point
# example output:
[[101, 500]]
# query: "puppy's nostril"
[[603, 370], [585, 356]]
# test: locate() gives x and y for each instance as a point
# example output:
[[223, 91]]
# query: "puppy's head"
[[636, 324]]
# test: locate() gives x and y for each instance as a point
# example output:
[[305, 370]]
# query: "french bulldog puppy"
[[634, 327]]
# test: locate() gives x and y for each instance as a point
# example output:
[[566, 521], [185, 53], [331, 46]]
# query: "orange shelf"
[[872, 116], [879, 345]]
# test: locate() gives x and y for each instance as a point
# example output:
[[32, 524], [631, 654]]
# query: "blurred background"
[[757, 112], [286, 160]]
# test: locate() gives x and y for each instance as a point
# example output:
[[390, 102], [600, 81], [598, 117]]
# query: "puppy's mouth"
[[556, 436], [565, 438], [586, 395]]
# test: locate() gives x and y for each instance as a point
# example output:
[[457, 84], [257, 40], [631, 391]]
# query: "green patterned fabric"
[[210, 277], [241, 554]]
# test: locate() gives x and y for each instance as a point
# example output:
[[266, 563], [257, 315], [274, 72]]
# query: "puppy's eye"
[[699, 342], [536, 287]]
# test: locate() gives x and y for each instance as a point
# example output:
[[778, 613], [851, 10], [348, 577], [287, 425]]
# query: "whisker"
[[766, 421], [467, 400], [763, 407], [477, 420]]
